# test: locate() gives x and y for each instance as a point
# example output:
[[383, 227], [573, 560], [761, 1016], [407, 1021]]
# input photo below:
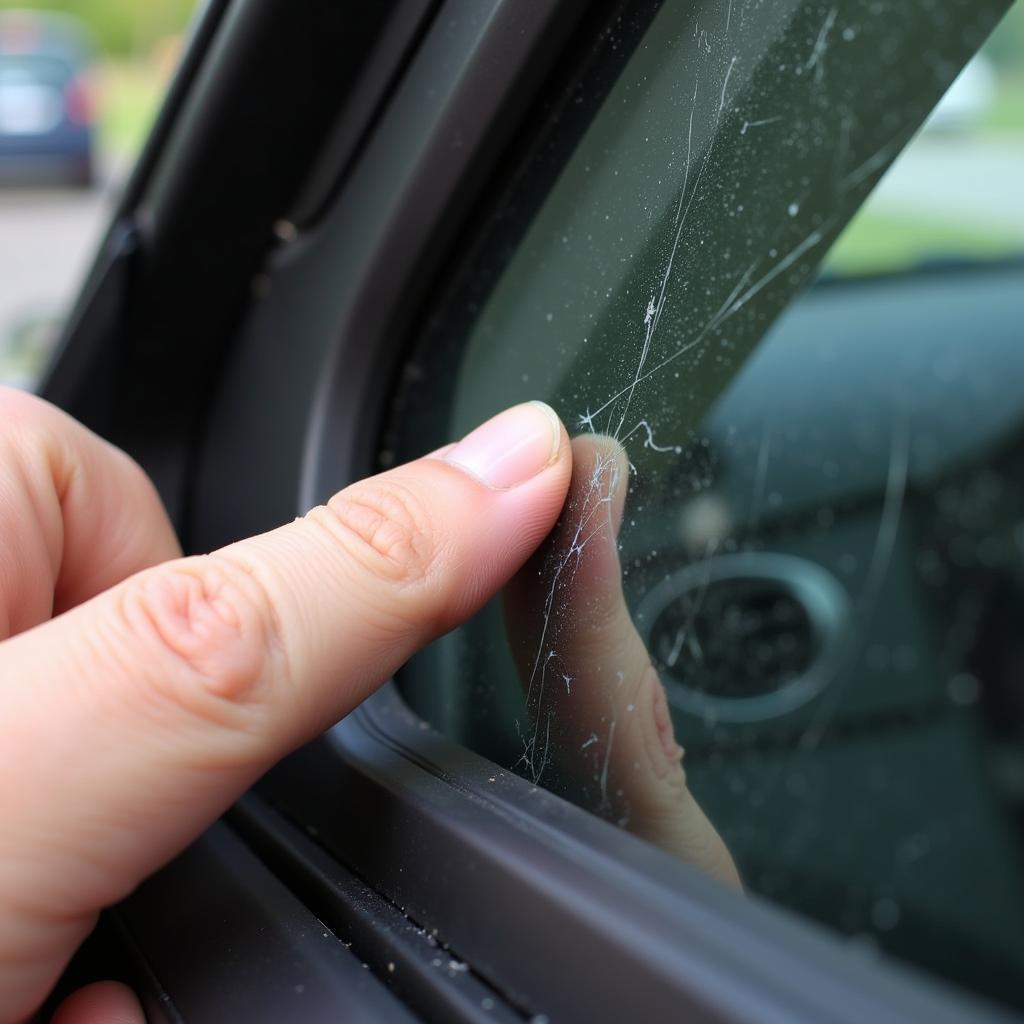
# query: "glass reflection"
[[821, 547], [599, 723]]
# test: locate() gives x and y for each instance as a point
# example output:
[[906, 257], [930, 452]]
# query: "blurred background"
[[957, 193], [81, 82]]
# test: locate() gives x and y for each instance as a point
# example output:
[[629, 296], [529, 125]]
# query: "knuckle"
[[22, 422], [18, 405], [32, 426], [384, 527], [133, 472], [208, 636]]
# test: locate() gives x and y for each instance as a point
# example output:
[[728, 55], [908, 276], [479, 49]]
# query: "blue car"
[[47, 128]]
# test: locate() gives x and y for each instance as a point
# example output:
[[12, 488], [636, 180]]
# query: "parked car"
[[359, 229], [47, 129]]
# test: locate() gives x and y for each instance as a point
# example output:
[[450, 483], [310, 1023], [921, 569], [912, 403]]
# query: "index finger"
[[130, 723]]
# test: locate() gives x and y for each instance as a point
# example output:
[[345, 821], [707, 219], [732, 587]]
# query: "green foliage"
[[1006, 47], [120, 27], [877, 242], [131, 92]]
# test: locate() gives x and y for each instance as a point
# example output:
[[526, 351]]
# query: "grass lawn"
[[129, 97], [882, 243], [1006, 117]]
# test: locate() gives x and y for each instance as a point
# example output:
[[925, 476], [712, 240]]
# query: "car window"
[[80, 83], [811, 509], [954, 195], [32, 70]]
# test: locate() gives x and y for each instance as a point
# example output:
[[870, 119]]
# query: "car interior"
[[357, 230]]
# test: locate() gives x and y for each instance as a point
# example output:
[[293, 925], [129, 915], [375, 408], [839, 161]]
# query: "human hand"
[[598, 709], [163, 687]]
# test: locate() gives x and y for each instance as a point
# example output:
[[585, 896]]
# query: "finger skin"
[[599, 710], [76, 514], [138, 717], [103, 1003]]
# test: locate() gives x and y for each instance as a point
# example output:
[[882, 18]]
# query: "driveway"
[[47, 240]]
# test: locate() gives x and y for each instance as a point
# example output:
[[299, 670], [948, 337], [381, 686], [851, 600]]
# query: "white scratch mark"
[[604, 768], [649, 441], [725, 85], [872, 164], [892, 510], [813, 239], [677, 647], [601, 488], [651, 323], [728, 310], [881, 558], [761, 473], [747, 125], [817, 58]]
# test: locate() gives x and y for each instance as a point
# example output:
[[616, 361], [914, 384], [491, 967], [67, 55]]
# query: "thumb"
[[133, 721]]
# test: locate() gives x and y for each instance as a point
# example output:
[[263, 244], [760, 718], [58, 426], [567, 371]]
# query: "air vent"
[[735, 638], [745, 637]]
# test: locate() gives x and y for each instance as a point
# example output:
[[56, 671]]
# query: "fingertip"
[[106, 1002], [602, 457], [511, 448], [486, 532]]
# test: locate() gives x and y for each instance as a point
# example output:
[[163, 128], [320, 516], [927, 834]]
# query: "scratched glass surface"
[[793, 546]]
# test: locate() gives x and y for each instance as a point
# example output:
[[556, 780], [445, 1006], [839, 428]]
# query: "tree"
[[121, 27]]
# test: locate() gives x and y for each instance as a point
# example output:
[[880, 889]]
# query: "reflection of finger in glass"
[[599, 729]]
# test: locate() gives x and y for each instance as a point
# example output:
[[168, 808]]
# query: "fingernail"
[[511, 448]]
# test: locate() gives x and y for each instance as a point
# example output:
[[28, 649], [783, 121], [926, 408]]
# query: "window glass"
[[954, 195], [793, 545], [80, 83]]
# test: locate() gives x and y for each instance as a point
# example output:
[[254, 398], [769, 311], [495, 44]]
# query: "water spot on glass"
[[963, 689], [885, 914]]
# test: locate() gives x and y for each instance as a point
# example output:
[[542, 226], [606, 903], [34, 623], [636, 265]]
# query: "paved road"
[[47, 239]]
